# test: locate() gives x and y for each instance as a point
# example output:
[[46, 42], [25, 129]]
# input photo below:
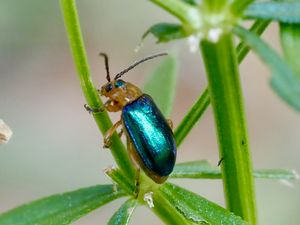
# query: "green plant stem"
[[226, 97], [186, 13], [197, 110], [90, 92]]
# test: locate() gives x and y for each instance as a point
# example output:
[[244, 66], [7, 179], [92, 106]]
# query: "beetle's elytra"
[[149, 136]]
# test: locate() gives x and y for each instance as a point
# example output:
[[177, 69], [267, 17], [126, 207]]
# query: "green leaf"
[[282, 174], [161, 85], [61, 209], [198, 209], [123, 215], [196, 169], [284, 80], [117, 176], [290, 42], [238, 7], [203, 169], [288, 12], [165, 32], [192, 2], [166, 211]]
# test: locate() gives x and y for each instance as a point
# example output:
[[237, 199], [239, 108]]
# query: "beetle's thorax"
[[120, 94]]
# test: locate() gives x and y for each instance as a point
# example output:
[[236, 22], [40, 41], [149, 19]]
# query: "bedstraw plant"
[[215, 24]]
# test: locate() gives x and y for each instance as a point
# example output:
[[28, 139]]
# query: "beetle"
[[150, 141]]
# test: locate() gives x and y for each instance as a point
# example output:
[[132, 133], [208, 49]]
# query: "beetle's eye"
[[108, 87], [119, 83]]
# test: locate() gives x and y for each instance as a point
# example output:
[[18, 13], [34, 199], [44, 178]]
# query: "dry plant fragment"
[[5, 132]]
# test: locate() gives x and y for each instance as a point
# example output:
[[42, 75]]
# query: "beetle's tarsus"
[[90, 110], [107, 143]]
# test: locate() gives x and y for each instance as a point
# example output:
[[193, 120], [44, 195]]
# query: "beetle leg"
[[109, 133], [101, 109], [170, 123], [121, 133]]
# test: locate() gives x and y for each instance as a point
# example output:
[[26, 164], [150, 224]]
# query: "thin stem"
[[200, 106], [91, 95], [226, 97]]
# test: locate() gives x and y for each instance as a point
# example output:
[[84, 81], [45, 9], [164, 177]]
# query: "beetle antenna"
[[106, 65], [137, 63]]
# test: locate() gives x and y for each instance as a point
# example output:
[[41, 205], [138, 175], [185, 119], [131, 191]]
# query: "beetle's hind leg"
[[110, 132]]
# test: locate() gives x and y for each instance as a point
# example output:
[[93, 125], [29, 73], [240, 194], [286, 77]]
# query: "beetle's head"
[[113, 87], [119, 91]]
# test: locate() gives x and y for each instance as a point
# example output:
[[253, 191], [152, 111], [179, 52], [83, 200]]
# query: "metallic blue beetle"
[[149, 135]]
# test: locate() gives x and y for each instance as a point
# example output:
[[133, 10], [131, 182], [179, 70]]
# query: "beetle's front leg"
[[109, 133], [101, 109]]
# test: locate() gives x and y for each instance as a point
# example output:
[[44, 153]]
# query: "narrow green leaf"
[[161, 85], [258, 27], [61, 209], [203, 169], [284, 80], [198, 209], [282, 174], [117, 176], [165, 32], [239, 6], [189, 15], [287, 12], [192, 2], [123, 215], [196, 169], [166, 211], [290, 42]]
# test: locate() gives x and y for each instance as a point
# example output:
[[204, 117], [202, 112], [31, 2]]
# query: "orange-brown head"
[[118, 91]]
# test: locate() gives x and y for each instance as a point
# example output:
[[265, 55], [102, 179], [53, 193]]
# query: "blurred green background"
[[56, 146]]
